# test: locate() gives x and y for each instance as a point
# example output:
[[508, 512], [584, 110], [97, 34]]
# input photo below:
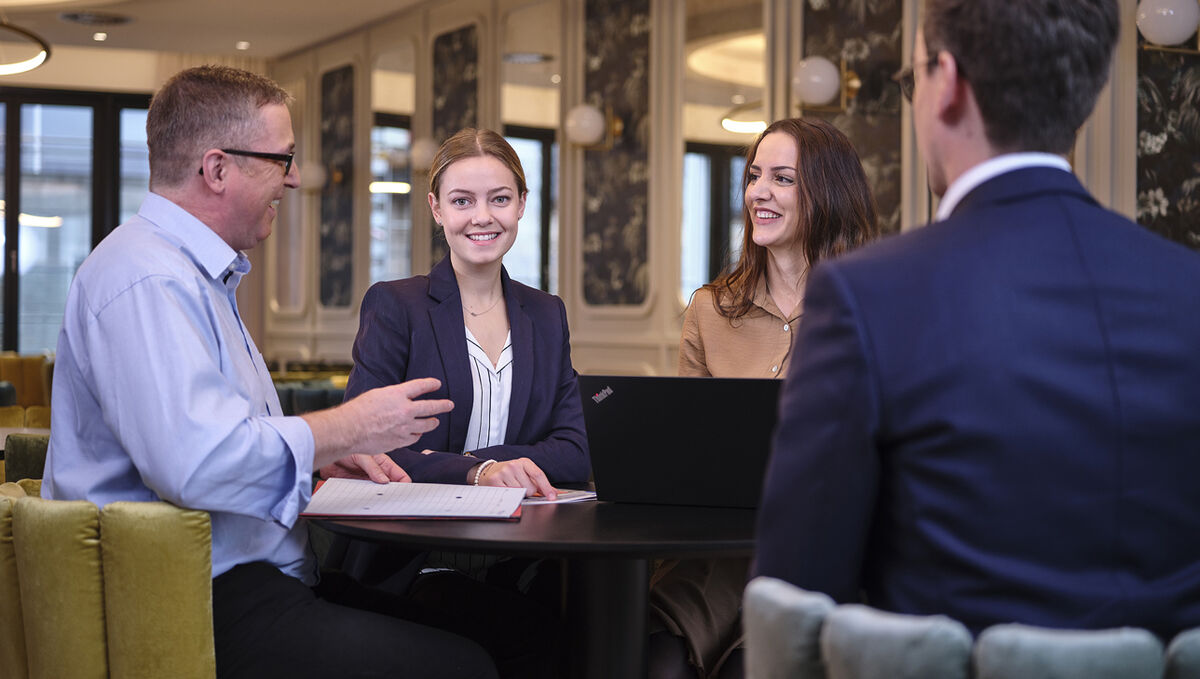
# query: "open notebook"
[[364, 499]]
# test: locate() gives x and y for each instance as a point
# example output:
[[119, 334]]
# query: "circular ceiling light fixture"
[[23, 65], [745, 118]]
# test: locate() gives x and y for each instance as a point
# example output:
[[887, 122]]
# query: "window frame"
[[106, 175]]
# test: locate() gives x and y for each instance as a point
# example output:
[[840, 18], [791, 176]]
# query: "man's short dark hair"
[[203, 108], [1035, 66]]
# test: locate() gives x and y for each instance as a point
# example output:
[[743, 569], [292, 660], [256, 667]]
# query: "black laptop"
[[679, 440]]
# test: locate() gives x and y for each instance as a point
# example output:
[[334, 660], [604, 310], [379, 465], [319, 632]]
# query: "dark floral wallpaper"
[[1168, 149], [617, 44], [868, 33], [337, 196], [455, 95]]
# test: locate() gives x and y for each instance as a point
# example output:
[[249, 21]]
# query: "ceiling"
[[272, 27]]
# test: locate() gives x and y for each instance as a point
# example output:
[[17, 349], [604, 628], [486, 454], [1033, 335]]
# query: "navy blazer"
[[997, 418], [414, 328]]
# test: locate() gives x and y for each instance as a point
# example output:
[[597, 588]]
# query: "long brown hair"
[[838, 210]]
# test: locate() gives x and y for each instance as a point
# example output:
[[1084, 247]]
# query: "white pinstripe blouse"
[[491, 393]]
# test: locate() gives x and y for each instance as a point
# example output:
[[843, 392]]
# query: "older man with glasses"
[[994, 417], [160, 394]]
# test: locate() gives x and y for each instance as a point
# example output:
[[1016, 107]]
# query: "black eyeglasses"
[[285, 158], [906, 80]]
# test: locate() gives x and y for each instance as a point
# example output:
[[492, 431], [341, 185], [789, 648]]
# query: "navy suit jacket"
[[414, 328], [997, 418]]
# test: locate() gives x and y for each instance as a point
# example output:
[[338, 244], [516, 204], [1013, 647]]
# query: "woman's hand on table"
[[379, 468], [519, 473]]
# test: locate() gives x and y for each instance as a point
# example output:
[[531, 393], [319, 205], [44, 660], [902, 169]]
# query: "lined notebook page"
[[365, 498]]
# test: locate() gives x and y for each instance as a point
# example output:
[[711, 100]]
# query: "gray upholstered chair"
[[783, 624], [783, 630], [1021, 651]]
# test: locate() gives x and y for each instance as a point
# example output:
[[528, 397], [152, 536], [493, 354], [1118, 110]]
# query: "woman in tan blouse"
[[806, 199]]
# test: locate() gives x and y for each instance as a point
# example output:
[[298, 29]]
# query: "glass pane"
[[135, 161], [56, 216], [529, 98], [695, 246], [531, 70], [723, 107], [289, 249], [393, 95], [391, 204], [737, 165], [524, 260]]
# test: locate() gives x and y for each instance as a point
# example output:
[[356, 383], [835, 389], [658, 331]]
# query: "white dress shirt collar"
[[994, 167]]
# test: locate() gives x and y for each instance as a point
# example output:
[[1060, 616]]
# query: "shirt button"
[[774, 368], [786, 327]]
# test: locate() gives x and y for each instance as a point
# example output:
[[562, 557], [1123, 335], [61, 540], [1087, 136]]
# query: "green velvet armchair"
[[123, 592]]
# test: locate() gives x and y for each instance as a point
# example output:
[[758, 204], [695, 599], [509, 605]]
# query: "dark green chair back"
[[25, 456]]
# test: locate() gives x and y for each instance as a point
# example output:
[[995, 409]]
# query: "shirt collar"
[[211, 254], [765, 302], [990, 168]]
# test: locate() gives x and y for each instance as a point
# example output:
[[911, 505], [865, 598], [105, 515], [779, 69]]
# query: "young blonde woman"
[[501, 351]]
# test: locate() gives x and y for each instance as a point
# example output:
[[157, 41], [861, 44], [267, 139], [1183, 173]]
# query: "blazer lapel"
[[451, 335], [521, 327]]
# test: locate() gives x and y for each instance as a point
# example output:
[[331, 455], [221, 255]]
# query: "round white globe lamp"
[[313, 176], [421, 153], [816, 81], [1168, 22], [585, 125]]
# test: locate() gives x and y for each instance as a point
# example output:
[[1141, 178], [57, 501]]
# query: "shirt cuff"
[[298, 441]]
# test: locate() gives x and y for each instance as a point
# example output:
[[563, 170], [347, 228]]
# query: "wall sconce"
[[817, 82], [588, 127], [313, 176], [14, 67], [1164, 23], [420, 154]]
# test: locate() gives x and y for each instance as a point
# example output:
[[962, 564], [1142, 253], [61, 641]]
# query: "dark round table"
[[609, 548]]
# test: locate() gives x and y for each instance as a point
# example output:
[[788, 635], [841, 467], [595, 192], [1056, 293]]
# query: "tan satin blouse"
[[758, 344]]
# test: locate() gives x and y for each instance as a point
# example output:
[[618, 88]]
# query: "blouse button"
[[786, 327], [774, 368]]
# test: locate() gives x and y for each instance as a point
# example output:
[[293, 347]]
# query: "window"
[[134, 160], [533, 259], [391, 198], [711, 233], [65, 196]]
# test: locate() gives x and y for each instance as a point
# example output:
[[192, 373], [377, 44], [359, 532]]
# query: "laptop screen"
[[679, 440]]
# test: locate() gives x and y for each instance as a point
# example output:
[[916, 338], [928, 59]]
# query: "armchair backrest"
[[123, 592], [12, 628], [783, 624]]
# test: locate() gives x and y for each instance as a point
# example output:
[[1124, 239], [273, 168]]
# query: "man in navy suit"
[[997, 417]]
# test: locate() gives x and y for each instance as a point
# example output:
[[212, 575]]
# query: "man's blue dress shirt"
[[160, 394]]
